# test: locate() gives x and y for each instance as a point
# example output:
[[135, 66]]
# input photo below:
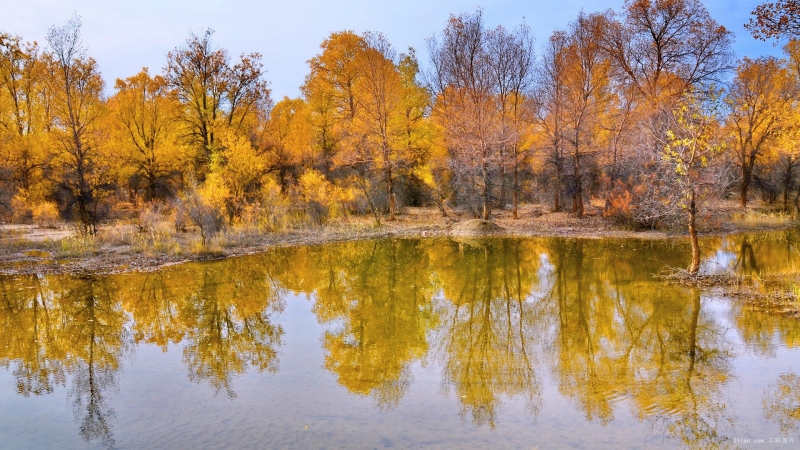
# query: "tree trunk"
[[743, 193], [786, 199], [485, 190], [695, 267], [392, 199], [515, 195], [557, 197], [577, 199], [747, 173]]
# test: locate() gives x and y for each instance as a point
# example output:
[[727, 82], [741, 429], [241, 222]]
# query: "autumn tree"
[[690, 143], [780, 19], [329, 90], [513, 69], [289, 141], [577, 97], [759, 100], [388, 117], [660, 50], [550, 97], [83, 172], [367, 112], [145, 111], [370, 138], [215, 94], [466, 106], [25, 119]]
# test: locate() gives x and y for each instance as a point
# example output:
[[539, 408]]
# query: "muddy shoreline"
[[32, 251]]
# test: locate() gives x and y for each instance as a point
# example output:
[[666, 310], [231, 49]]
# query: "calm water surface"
[[510, 343]]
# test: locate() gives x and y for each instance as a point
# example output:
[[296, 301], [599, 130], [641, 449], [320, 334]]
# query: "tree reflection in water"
[[497, 315], [489, 327], [75, 327], [781, 401], [620, 335]]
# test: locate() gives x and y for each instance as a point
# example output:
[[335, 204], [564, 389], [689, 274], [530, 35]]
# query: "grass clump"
[[756, 220]]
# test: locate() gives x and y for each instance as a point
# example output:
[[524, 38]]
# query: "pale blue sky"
[[125, 36]]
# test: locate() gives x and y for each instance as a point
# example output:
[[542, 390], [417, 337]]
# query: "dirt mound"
[[476, 226]]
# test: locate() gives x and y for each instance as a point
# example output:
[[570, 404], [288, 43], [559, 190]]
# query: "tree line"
[[634, 111]]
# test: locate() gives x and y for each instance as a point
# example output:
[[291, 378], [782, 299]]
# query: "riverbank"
[[122, 247]]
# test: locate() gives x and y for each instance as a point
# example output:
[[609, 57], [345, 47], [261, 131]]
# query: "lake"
[[398, 343]]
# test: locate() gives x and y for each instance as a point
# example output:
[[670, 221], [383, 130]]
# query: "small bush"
[[318, 196], [275, 206], [76, 245], [45, 215], [618, 205], [20, 207], [205, 207]]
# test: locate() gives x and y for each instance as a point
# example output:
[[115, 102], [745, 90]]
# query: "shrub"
[[274, 207], [45, 215], [205, 207], [618, 205], [318, 196], [20, 207], [154, 218]]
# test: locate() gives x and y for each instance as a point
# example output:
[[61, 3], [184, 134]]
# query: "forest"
[[636, 114]]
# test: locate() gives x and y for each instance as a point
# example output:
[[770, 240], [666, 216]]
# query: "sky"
[[124, 36]]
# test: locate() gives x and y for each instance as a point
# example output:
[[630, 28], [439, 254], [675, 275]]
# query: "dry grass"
[[683, 276], [774, 295], [759, 220], [151, 240]]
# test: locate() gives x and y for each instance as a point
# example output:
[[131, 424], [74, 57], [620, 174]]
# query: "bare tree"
[[77, 106], [512, 66], [466, 106], [668, 46], [550, 97], [575, 95]]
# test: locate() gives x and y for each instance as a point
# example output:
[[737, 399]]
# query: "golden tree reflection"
[[781, 401], [59, 327], [496, 314], [489, 324], [225, 312], [30, 320], [376, 296], [620, 335]]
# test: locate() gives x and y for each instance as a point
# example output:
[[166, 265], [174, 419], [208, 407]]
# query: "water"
[[398, 343]]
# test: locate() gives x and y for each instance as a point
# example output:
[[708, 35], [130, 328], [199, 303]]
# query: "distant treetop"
[[777, 20]]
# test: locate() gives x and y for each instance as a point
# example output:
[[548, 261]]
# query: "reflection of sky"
[[720, 262], [303, 405]]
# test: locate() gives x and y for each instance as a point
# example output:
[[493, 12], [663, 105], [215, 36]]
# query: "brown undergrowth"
[[156, 242], [778, 294]]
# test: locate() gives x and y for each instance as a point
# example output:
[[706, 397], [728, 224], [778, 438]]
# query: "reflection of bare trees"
[[746, 258], [96, 339], [489, 327], [90, 403], [781, 402], [620, 336]]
